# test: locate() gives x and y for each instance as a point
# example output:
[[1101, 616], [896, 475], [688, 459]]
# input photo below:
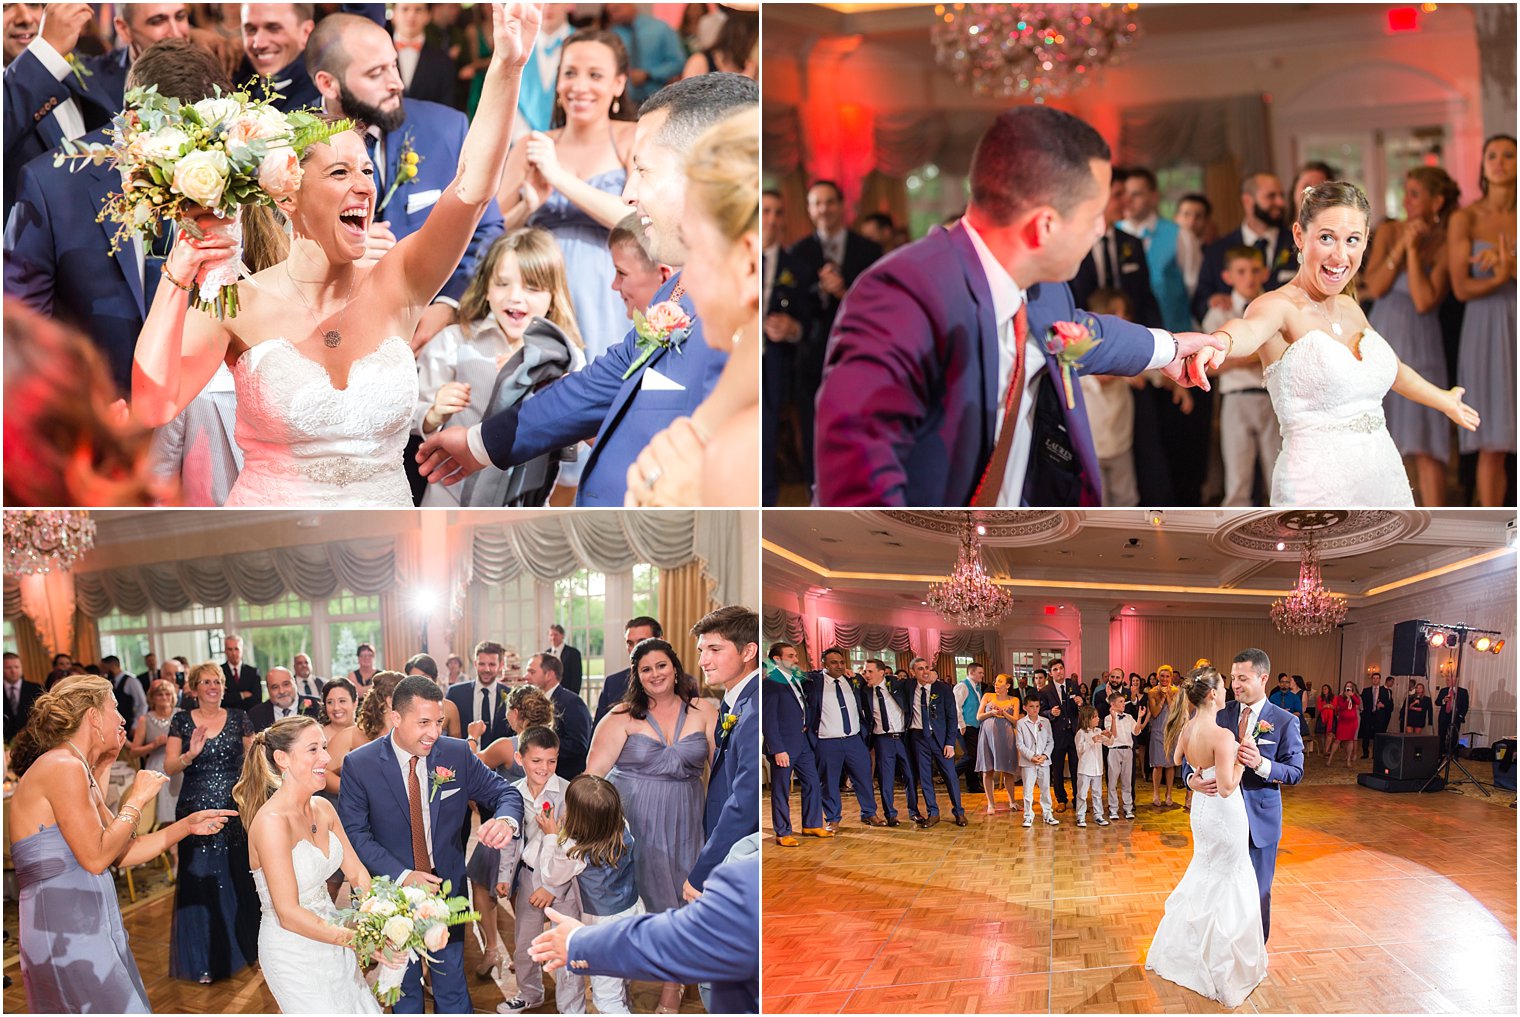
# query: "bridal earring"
[[617, 106], [737, 336]]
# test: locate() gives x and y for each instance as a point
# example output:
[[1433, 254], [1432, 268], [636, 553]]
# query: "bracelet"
[[1228, 336], [134, 819], [177, 284]]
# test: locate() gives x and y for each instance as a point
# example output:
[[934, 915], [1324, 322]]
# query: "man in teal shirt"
[[655, 53]]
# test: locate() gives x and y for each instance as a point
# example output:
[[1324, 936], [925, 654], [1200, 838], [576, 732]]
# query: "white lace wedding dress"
[[1210, 938], [307, 976], [308, 444], [1336, 449]]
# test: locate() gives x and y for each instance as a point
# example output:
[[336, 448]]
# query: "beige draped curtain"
[[36, 661], [400, 628], [685, 596]]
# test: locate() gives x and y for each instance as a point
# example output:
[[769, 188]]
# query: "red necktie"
[[992, 478]]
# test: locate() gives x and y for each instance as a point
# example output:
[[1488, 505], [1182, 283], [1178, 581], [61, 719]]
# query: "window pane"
[[10, 639], [346, 637], [118, 622], [507, 614], [195, 616], [347, 603], [580, 605], [284, 609], [195, 645], [646, 590], [267, 646], [128, 648]]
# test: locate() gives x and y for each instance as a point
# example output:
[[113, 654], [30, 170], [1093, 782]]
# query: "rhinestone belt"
[[1367, 423], [337, 471]]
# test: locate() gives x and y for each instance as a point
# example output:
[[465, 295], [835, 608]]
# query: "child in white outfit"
[[1089, 765], [1036, 742], [1120, 729]]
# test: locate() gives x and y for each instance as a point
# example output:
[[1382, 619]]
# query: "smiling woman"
[[326, 321]]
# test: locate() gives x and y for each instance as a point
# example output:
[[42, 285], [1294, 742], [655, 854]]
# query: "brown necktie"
[[1245, 721], [987, 491], [420, 860]]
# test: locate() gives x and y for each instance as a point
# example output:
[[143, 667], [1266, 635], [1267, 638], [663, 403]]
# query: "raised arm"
[[422, 263], [1264, 320], [1460, 260]]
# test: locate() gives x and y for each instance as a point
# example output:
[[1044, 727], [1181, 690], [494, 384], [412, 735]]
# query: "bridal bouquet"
[[177, 159], [402, 920]]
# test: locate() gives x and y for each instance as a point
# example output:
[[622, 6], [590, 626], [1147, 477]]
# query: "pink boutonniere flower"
[[440, 776], [1069, 342]]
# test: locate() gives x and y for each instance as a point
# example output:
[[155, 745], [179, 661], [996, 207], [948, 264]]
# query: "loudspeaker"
[[1405, 756], [1400, 787], [1409, 651], [1504, 763]]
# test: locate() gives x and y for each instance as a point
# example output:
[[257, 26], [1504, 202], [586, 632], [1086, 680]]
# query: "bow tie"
[[408, 45]]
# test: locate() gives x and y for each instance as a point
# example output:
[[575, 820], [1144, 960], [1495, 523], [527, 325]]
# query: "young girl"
[[1090, 742], [519, 283], [595, 848]]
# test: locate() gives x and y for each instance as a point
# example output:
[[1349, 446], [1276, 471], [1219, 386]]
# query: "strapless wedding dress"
[[1210, 937], [307, 444], [1336, 449], [304, 975]]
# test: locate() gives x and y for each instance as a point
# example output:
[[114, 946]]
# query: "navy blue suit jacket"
[[1264, 797], [296, 89], [733, 788], [464, 697], [1134, 280], [784, 725], [58, 260], [940, 725], [614, 688], [31, 93], [375, 811], [817, 682], [907, 414], [572, 722], [715, 939], [1281, 267], [570, 661], [596, 401], [893, 688], [436, 133]]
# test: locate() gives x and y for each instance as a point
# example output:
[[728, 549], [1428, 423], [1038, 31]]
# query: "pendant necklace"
[[332, 337], [1335, 324]]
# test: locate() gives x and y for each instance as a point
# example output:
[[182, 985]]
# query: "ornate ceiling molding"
[[1005, 527], [1337, 533]]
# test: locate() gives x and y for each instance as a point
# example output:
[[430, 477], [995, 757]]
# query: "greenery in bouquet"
[[402, 920], [178, 160]]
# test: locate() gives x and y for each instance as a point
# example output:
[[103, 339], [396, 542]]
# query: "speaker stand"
[[1443, 769]]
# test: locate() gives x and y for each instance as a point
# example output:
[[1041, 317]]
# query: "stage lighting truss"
[[1453, 636]]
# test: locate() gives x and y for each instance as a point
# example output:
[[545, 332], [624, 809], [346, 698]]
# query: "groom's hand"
[[551, 948], [1191, 370], [1203, 786], [1249, 755], [445, 456], [422, 880], [496, 833]]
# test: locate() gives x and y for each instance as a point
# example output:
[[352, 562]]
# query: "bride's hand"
[[1464, 415], [190, 257]]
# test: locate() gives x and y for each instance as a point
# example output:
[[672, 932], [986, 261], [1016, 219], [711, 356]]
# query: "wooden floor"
[[147, 926], [1382, 904]]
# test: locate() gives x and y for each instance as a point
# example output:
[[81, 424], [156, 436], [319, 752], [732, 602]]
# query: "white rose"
[[398, 930], [162, 144], [214, 111], [383, 908], [414, 895], [201, 177]]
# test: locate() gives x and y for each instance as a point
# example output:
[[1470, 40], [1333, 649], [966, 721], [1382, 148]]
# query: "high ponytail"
[[55, 716], [261, 777]]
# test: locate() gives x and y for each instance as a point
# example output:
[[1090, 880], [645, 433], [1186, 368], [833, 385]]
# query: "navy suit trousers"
[[805, 769], [891, 761], [838, 756], [927, 756]]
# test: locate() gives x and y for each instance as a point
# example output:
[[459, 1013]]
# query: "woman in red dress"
[[1347, 711]]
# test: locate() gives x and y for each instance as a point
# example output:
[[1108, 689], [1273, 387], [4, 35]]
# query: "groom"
[[1275, 733], [939, 343], [403, 805]]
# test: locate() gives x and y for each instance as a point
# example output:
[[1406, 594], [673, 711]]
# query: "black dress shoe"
[[893, 822], [874, 821], [960, 819]]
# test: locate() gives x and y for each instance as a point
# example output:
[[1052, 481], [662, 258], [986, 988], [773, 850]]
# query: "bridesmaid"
[[1408, 275], [338, 710], [1161, 701], [215, 931], [74, 953], [996, 751], [1482, 262], [570, 180], [374, 718], [658, 777]]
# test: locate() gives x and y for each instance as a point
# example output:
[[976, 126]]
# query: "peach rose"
[[436, 938], [1070, 332], [667, 317], [280, 173]]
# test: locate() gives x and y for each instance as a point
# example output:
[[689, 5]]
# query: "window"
[[508, 614], [1022, 662], [10, 638], [580, 605], [124, 636], [1175, 181], [961, 663], [646, 591], [933, 197], [353, 619]]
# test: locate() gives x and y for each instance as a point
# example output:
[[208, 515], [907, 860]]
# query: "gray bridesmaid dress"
[[661, 788], [1486, 367], [1416, 338], [74, 954]]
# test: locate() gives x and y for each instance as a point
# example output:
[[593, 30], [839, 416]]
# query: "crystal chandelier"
[[1310, 610], [968, 596], [46, 540], [1030, 50]]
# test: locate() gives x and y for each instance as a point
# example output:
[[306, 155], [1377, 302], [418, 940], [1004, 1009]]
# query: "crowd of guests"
[[559, 266], [659, 773], [1439, 285], [1062, 740]]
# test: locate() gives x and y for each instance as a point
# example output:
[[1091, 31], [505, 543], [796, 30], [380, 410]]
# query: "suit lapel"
[[435, 801], [391, 774], [99, 186], [987, 344]]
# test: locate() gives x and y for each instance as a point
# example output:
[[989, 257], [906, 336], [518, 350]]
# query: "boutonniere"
[[1126, 252], [1262, 727], [728, 724], [440, 776], [933, 697], [786, 278], [79, 70], [665, 327], [406, 171], [1069, 342]]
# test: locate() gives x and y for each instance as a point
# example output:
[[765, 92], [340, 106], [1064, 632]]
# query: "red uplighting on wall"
[[1050, 609], [1403, 19]]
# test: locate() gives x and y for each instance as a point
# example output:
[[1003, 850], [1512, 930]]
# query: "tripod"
[[1449, 744]]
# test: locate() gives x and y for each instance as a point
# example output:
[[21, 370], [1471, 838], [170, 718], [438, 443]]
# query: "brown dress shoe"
[[1060, 806], [819, 831], [960, 819], [788, 841], [874, 821], [932, 821]]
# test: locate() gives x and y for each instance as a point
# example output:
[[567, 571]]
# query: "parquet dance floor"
[[1382, 904]]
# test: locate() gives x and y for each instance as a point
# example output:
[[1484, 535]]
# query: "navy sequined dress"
[[216, 907]]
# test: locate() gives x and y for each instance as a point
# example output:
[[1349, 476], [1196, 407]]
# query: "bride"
[[295, 843], [1327, 371], [325, 378], [1210, 939]]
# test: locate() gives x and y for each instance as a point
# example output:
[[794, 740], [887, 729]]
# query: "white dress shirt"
[[833, 246], [917, 705], [1007, 298], [493, 689], [894, 722], [732, 695], [830, 720], [407, 58], [1123, 727], [70, 120]]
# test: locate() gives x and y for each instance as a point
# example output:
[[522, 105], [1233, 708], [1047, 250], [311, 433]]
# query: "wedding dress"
[[309, 444], [1210, 938], [307, 976], [1336, 449]]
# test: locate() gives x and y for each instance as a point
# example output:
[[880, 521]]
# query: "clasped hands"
[[1248, 755], [1197, 354]]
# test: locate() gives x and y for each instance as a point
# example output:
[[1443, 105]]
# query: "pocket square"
[[450, 791], [654, 381], [422, 199], [1126, 269]]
